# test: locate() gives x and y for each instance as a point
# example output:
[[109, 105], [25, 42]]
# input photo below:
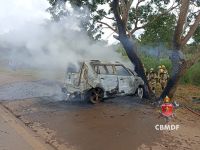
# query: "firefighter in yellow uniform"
[[163, 77], [145, 70], [152, 77], [160, 70]]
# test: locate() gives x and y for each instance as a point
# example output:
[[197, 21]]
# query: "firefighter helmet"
[[159, 67], [163, 66], [151, 70], [166, 99]]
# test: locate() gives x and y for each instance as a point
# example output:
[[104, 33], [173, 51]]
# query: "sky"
[[16, 13], [108, 33]]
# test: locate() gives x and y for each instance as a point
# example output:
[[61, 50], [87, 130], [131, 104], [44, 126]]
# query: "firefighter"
[[163, 77], [152, 77], [160, 70], [145, 70], [163, 67]]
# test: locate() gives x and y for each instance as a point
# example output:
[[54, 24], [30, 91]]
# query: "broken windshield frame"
[[110, 69]]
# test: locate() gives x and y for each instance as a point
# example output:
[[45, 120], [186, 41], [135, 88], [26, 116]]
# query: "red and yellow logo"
[[166, 107]]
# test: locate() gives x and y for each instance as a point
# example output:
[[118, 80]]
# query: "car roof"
[[98, 62]]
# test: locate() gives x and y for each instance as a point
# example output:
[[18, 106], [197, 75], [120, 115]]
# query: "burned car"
[[98, 80]]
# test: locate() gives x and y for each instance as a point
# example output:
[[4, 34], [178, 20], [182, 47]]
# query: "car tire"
[[140, 92], [95, 95]]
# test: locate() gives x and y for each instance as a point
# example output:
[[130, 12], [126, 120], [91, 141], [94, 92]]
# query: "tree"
[[138, 16], [57, 9], [159, 31], [180, 38]]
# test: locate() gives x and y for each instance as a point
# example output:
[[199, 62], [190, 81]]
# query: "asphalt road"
[[120, 123]]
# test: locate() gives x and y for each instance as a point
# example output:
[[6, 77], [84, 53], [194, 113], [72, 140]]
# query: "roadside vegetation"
[[192, 76]]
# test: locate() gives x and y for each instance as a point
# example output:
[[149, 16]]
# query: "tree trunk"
[[130, 49], [173, 82], [180, 66]]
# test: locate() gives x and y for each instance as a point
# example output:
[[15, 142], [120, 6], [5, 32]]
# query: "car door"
[[108, 79], [125, 79]]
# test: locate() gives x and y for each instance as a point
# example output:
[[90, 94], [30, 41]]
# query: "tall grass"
[[192, 76], [152, 62]]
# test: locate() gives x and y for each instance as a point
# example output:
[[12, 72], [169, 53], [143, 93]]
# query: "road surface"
[[14, 135], [120, 123]]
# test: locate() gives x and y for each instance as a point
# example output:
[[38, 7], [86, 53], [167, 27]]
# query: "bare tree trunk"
[[180, 66], [178, 69], [130, 49]]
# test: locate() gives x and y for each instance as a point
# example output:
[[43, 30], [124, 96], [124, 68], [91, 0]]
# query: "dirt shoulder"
[[14, 135]]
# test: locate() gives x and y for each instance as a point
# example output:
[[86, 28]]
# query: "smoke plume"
[[29, 38]]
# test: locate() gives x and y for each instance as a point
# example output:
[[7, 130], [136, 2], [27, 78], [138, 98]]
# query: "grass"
[[152, 62], [192, 76]]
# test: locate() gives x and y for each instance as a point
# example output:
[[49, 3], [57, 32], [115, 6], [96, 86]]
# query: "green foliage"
[[192, 76], [57, 9], [88, 20], [137, 16], [160, 30], [152, 62], [196, 36]]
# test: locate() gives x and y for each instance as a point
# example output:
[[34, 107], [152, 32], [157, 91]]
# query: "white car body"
[[112, 78]]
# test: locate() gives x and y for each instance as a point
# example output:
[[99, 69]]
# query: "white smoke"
[[32, 39], [14, 14]]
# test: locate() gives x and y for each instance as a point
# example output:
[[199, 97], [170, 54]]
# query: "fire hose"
[[189, 109]]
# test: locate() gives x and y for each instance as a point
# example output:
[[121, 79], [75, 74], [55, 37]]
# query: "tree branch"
[[124, 11], [138, 28], [130, 3], [111, 18], [191, 31], [110, 27], [143, 26], [120, 23], [136, 14], [180, 24]]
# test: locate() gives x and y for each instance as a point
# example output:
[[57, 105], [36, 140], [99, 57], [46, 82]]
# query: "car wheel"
[[95, 95], [140, 92]]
